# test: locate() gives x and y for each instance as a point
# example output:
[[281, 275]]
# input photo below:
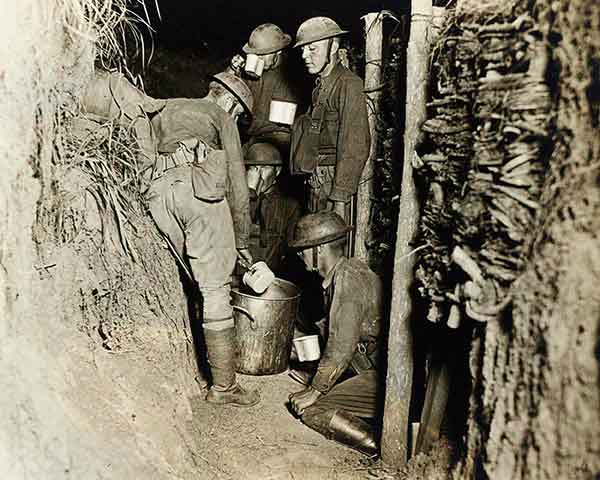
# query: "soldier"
[[273, 210], [353, 300], [276, 82], [330, 143], [198, 198]]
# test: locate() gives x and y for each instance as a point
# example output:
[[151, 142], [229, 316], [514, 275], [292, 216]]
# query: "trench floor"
[[266, 442]]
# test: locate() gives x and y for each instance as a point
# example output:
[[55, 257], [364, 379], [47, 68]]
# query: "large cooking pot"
[[264, 327]]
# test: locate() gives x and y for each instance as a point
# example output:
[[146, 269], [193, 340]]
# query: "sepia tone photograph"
[[316, 240]]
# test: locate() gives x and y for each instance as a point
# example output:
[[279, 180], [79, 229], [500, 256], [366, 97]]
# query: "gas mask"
[[254, 65], [313, 254]]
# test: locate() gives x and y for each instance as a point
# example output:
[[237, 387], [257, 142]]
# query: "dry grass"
[[113, 30], [108, 157], [111, 24]]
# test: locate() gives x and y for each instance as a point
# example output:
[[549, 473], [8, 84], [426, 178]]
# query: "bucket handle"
[[248, 314]]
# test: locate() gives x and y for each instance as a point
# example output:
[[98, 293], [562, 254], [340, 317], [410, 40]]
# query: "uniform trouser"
[[357, 395], [202, 233]]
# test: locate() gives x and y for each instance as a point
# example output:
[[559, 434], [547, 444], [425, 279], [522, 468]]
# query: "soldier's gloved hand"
[[237, 63], [300, 401]]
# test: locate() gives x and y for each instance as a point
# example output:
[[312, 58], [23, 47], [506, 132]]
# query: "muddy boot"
[[220, 346], [343, 427], [353, 431]]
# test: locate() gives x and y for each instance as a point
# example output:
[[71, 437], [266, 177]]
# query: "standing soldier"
[[272, 82], [353, 300], [198, 198], [330, 143]]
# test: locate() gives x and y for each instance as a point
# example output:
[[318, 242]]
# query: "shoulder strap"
[[318, 110], [325, 92]]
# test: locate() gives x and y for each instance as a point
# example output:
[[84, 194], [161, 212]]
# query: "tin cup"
[[254, 65], [282, 112], [259, 277], [307, 348]]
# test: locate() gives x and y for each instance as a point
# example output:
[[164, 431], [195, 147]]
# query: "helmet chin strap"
[[329, 44], [315, 259], [232, 105]]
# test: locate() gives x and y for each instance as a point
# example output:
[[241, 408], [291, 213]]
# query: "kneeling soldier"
[[353, 300]]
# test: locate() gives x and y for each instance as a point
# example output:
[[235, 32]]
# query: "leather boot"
[[353, 431], [220, 347]]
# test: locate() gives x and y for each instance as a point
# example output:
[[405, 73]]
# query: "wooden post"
[[394, 443], [436, 399], [373, 68]]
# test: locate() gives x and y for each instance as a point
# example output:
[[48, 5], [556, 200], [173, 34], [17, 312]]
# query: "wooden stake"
[[436, 399], [394, 443], [373, 69]]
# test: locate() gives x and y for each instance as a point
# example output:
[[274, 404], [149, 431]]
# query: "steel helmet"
[[318, 228], [267, 38], [263, 154], [317, 28], [237, 87]]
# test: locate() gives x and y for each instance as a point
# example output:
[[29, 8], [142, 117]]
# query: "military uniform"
[[203, 228], [274, 84], [274, 214], [339, 117], [354, 302]]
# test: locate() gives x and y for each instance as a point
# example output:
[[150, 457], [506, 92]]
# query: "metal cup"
[[254, 65], [259, 277], [282, 112], [307, 348]]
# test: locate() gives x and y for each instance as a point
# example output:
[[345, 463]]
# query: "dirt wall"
[[535, 404], [96, 355]]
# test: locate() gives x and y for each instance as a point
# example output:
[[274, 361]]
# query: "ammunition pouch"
[[364, 358], [306, 133], [209, 178], [304, 144]]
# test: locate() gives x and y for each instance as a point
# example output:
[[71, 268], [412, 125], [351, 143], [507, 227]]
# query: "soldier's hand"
[[322, 326], [300, 401], [237, 63], [245, 256]]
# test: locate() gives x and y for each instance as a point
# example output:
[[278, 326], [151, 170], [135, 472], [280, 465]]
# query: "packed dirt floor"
[[266, 442], [262, 442]]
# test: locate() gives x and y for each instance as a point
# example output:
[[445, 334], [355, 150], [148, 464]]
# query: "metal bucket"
[[264, 327]]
